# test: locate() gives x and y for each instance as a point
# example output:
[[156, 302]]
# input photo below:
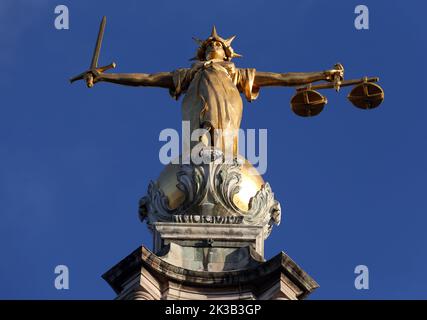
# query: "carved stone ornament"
[[209, 189]]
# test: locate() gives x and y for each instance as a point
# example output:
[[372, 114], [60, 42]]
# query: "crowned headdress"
[[226, 43]]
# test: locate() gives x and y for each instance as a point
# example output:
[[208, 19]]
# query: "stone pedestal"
[[209, 222], [207, 261]]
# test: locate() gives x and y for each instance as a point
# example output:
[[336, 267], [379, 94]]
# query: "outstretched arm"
[[263, 79], [161, 79]]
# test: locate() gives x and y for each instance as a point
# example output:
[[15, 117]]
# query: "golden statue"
[[212, 102], [213, 84]]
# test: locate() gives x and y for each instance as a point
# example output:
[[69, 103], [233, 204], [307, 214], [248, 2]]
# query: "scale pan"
[[367, 95], [308, 103]]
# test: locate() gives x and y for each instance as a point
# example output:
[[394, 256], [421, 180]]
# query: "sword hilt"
[[89, 80], [112, 65], [88, 75]]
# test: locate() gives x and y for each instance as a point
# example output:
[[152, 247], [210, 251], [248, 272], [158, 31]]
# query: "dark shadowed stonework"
[[144, 275]]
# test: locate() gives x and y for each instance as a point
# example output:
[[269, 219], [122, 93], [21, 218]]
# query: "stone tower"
[[209, 222]]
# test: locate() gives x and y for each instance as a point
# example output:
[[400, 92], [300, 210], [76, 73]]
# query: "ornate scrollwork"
[[264, 210], [226, 184], [155, 205], [211, 185], [192, 182]]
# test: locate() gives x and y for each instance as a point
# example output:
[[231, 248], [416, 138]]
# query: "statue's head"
[[215, 50], [215, 47]]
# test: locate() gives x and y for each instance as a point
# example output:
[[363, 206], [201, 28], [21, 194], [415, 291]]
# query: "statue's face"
[[215, 50]]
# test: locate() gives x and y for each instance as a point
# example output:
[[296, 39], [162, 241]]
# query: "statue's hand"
[[330, 75], [92, 76]]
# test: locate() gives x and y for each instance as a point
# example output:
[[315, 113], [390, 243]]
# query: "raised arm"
[[263, 79]]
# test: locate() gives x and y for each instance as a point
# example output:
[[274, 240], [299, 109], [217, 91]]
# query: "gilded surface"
[[211, 86]]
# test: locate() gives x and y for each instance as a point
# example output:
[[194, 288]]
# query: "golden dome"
[[251, 183]]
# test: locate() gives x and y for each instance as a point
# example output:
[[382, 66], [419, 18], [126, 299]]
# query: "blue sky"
[[74, 162]]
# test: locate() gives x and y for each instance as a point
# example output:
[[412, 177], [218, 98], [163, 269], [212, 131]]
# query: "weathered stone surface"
[[208, 261], [213, 259], [144, 275], [208, 235]]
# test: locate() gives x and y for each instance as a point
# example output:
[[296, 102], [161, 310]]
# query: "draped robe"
[[212, 99]]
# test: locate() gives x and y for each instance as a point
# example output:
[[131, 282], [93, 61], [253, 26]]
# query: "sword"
[[88, 74]]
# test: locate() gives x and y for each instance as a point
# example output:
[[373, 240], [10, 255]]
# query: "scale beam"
[[344, 83]]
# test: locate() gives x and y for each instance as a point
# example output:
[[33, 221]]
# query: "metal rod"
[[345, 83]]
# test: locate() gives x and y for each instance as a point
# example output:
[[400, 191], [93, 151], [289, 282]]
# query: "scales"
[[366, 94], [308, 103]]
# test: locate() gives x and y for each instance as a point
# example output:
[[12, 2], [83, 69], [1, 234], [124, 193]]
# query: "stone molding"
[[277, 278]]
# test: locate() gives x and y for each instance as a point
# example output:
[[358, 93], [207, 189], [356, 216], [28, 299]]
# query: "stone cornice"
[[257, 277]]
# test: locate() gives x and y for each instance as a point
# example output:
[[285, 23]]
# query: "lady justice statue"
[[212, 87], [212, 102]]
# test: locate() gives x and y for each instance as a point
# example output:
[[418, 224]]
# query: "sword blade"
[[97, 49]]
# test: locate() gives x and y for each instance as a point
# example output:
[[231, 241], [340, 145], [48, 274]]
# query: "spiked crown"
[[226, 43]]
